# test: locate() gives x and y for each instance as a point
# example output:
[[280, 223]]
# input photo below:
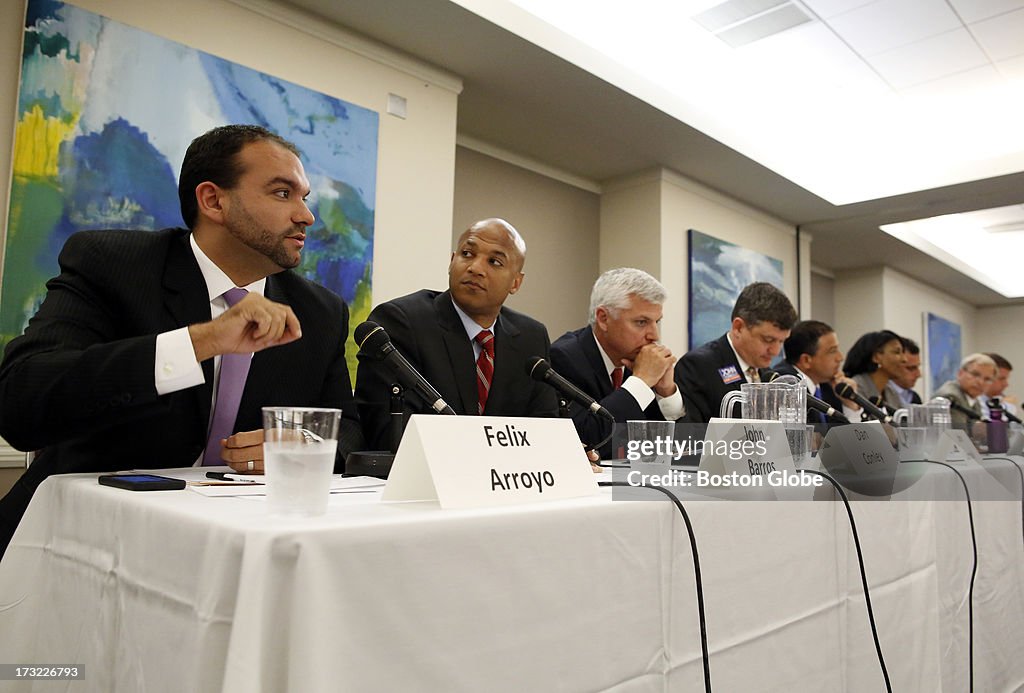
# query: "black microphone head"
[[370, 337], [537, 368], [844, 390]]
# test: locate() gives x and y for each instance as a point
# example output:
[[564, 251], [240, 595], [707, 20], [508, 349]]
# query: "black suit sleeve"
[[692, 381], [73, 371]]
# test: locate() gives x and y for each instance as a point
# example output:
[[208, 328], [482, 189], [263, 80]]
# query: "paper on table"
[[339, 484]]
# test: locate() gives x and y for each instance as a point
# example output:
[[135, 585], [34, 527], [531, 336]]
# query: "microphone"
[[541, 371], [813, 402], [374, 342], [847, 392], [969, 413]]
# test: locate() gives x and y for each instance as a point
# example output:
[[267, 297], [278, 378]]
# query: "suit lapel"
[[506, 354], [595, 363], [460, 352], [187, 300]]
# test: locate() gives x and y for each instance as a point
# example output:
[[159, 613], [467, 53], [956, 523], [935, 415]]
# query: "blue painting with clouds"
[[718, 272], [943, 350]]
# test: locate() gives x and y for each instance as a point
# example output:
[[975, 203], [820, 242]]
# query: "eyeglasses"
[[979, 376]]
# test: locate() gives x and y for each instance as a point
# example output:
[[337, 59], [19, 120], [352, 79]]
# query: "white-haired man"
[[976, 373], [617, 359]]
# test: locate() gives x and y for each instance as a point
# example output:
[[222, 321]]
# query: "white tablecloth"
[[174, 591]]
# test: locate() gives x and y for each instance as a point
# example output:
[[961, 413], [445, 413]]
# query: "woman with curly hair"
[[874, 360]]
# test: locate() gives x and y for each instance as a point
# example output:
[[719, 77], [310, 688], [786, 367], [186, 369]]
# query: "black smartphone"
[[142, 482]]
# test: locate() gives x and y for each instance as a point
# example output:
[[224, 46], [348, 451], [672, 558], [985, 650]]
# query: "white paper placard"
[[483, 461], [954, 446], [861, 457], [748, 447]]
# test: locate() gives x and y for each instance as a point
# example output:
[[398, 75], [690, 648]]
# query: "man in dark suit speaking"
[[464, 341], [617, 359], [122, 365], [761, 319]]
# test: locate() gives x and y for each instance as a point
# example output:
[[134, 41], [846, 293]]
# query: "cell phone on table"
[[142, 482]]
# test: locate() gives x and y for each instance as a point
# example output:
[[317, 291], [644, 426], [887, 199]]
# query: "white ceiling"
[[533, 90]]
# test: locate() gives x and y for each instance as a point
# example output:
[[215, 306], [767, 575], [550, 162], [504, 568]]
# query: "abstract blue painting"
[[942, 350], [105, 113], [718, 272]]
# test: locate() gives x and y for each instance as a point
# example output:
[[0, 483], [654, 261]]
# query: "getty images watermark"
[[748, 462]]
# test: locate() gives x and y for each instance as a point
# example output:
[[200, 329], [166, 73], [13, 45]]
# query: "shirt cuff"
[[176, 367], [672, 407], [638, 388]]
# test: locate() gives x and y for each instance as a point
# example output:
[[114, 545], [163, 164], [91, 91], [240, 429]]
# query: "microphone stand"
[[397, 415]]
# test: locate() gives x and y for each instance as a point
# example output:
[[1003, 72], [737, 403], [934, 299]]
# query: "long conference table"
[[177, 591]]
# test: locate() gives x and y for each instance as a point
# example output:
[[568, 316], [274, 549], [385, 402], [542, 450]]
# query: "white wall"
[[906, 300], [559, 221], [858, 304], [823, 297], [416, 156]]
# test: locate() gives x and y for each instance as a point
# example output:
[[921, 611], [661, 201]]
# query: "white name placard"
[[955, 446], [482, 461], [747, 447]]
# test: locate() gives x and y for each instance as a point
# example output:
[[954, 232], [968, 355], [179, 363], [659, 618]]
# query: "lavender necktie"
[[233, 369]]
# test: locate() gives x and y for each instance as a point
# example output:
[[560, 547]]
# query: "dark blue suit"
[[577, 357]]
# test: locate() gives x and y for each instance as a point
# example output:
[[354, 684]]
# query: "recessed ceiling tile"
[[1012, 68], [888, 24], [1002, 37], [831, 8], [975, 10], [934, 57], [978, 79]]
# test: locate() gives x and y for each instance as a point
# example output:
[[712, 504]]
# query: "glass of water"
[[299, 446]]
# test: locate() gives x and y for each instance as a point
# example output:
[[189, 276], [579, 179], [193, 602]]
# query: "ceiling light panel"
[[774, 21]]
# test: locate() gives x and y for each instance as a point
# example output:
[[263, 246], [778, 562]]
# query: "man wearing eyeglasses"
[[976, 373]]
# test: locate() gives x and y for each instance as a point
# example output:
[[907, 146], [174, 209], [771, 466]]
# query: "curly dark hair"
[[858, 359]]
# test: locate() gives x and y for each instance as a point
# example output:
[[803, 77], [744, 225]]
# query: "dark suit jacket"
[[427, 331], [697, 375], [577, 357], [79, 384], [828, 395]]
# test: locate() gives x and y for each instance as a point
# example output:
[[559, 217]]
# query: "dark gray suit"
[[427, 331], [79, 384]]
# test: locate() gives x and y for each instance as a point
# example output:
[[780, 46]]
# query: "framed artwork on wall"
[[942, 349], [105, 113], [718, 272]]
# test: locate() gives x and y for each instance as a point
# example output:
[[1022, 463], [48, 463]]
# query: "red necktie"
[[484, 368], [617, 378]]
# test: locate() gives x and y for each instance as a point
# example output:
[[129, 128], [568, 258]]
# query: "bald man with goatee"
[[464, 341]]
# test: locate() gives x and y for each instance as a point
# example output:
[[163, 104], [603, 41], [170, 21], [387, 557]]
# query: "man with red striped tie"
[[618, 359], [471, 348]]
